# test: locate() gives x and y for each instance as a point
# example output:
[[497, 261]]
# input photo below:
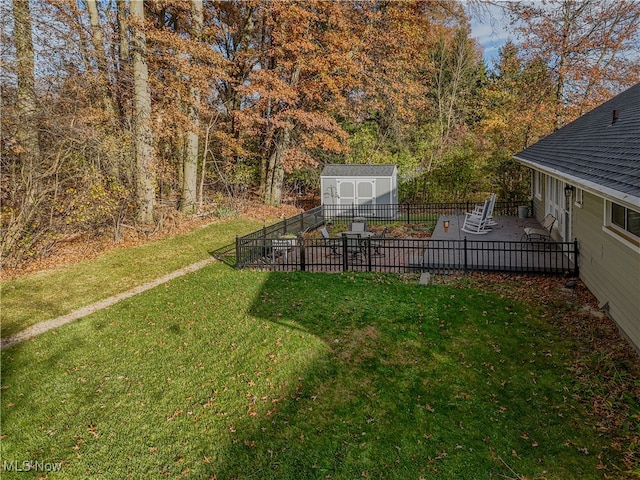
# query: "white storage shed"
[[358, 189]]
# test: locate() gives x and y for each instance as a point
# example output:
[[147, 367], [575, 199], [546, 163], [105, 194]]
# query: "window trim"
[[622, 234], [579, 201]]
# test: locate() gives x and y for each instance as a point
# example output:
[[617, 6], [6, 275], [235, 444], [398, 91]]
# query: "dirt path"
[[47, 325]]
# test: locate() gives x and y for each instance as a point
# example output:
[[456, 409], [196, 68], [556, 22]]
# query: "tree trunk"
[[143, 139], [27, 132], [123, 28], [101, 56], [123, 65], [28, 171], [190, 178], [274, 177]]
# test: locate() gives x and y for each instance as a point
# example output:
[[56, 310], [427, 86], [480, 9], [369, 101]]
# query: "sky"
[[490, 32]]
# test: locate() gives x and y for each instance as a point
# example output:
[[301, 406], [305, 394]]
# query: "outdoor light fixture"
[[446, 225], [568, 190]]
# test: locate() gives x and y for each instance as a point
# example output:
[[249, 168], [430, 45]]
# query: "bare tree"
[[28, 171], [97, 39], [189, 180], [143, 137], [591, 48]]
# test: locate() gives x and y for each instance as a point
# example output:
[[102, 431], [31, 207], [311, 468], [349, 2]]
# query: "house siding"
[[599, 154], [609, 268], [539, 208], [538, 203]]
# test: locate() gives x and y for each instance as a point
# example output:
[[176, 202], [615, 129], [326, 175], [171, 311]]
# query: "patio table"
[[352, 234], [354, 241]]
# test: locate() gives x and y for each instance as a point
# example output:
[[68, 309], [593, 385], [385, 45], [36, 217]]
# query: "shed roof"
[[358, 170], [595, 151]]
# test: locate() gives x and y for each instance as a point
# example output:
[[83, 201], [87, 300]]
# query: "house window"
[[625, 218], [579, 197], [623, 223]]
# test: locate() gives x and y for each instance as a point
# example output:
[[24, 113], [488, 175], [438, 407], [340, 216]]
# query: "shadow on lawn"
[[379, 399]]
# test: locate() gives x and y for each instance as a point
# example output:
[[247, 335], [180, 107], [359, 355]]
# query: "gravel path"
[[47, 325]]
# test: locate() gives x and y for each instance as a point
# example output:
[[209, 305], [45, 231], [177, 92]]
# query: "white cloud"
[[490, 27]]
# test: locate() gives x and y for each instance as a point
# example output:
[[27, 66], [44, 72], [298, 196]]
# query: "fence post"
[[301, 222], [575, 257], [237, 252], [345, 251], [465, 255], [303, 260], [408, 213], [265, 251]]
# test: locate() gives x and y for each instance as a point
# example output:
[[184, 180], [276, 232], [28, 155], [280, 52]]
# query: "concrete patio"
[[501, 249], [508, 229]]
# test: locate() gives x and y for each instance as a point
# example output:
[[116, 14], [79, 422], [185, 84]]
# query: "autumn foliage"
[[118, 115]]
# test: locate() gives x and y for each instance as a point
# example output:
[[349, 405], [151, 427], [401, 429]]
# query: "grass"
[[253, 375], [49, 294]]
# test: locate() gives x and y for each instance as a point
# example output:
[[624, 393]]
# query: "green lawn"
[[253, 375], [52, 293]]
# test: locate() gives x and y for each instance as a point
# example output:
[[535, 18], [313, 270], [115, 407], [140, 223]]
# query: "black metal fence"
[[410, 255], [374, 215], [413, 213], [283, 246]]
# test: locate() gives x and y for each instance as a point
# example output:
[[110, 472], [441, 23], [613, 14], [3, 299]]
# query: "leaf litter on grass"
[[398, 392], [606, 367]]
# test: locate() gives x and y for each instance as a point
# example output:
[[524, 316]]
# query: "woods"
[[119, 114]]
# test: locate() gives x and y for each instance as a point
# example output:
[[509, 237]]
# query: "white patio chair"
[[478, 210], [477, 224], [490, 220]]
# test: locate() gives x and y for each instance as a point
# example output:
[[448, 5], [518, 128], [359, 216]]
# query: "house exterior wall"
[[609, 268], [539, 205], [538, 200]]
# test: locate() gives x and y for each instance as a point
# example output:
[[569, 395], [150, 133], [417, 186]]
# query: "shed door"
[[346, 192], [366, 195], [366, 190]]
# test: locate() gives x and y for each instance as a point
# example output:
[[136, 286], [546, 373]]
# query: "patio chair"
[[334, 244], [478, 210], [477, 224], [544, 233], [492, 203], [377, 242], [281, 248]]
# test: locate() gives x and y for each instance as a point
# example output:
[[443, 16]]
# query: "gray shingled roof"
[[594, 152], [358, 170]]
